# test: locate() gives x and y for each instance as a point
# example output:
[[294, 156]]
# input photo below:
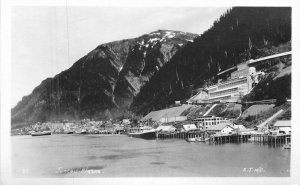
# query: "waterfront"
[[122, 156]]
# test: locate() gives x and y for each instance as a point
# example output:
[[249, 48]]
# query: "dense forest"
[[239, 34]]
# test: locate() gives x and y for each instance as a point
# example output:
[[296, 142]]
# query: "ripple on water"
[[111, 157], [157, 163], [116, 157], [79, 169], [123, 154]]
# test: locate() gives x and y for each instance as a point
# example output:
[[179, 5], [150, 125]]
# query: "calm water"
[[122, 156]]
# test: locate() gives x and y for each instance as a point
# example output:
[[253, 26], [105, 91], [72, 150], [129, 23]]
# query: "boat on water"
[[70, 132], [143, 132], [81, 132], [191, 139], [43, 133], [197, 139], [203, 139]]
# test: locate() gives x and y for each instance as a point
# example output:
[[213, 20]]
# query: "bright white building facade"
[[220, 129], [233, 89], [207, 121]]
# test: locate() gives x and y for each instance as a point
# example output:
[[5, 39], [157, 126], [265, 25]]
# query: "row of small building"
[[222, 128], [280, 127], [86, 125]]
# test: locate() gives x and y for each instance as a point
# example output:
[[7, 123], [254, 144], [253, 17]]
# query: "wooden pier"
[[275, 140], [180, 135], [232, 138]]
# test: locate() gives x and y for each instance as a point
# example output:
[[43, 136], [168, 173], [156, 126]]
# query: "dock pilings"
[[275, 140], [271, 139], [179, 135]]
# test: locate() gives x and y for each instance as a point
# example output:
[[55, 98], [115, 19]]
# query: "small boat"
[[192, 139], [43, 133], [70, 132], [197, 139], [81, 132], [143, 132], [203, 139]]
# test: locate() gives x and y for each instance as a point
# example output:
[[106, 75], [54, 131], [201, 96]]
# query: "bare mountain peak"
[[103, 81]]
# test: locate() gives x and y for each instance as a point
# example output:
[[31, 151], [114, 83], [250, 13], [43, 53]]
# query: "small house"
[[283, 126], [188, 127], [119, 129], [220, 128]]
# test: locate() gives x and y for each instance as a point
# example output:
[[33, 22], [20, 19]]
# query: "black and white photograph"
[[111, 91]]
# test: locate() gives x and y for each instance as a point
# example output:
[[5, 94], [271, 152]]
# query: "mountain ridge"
[[106, 79]]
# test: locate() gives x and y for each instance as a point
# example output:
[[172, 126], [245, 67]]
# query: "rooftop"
[[218, 127], [270, 57], [227, 70], [283, 123], [166, 113]]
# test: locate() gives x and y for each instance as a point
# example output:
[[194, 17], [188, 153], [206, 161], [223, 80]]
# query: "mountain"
[[103, 83], [239, 34], [135, 76]]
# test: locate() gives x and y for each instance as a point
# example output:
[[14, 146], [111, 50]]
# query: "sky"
[[48, 40]]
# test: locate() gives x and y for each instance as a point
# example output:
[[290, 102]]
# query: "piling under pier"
[[275, 140], [180, 135], [230, 138]]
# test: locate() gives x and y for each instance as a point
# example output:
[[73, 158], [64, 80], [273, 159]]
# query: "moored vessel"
[[81, 132], [143, 132], [197, 139], [43, 133], [70, 132]]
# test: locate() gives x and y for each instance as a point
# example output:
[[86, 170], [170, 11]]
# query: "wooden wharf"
[[180, 135], [230, 138], [275, 140]]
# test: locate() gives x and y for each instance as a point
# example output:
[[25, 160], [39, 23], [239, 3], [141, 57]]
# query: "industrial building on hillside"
[[237, 81]]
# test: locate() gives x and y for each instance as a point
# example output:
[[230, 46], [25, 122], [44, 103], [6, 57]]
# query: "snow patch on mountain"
[[154, 33], [169, 35], [120, 69], [153, 40]]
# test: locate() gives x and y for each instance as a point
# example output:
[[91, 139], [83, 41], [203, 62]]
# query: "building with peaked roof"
[[222, 128], [172, 114], [199, 97], [188, 127], [284, 126]]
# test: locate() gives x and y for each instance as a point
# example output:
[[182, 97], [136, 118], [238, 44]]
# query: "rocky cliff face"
[[103, 83]]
